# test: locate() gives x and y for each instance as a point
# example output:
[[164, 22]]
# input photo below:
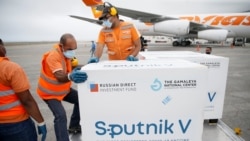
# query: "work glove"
[[93, 60], [78, 76], [131, 58], [42, 130]]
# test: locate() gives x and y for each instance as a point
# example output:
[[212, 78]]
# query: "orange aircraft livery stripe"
[[220, 20]]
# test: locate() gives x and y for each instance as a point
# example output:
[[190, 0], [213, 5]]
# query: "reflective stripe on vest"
[[127, 26], [107, 30], [51, 81], [52, 92], [6, 93], [9, 106], [124, 27]]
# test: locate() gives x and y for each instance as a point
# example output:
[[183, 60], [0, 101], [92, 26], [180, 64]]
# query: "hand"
[[93, 60], [132, 58], [42, 130], [78, 76]]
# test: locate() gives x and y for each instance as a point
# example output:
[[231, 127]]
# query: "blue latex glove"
[[93, 60], [78, 76], [42, 130], [131, 58]]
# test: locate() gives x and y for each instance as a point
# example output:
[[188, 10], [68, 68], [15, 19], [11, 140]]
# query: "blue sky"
[[47, 20]]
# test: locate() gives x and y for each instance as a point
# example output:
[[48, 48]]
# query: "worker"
[[208, 50], [92, 50], [17, 104], [121, 38], [54, 85]]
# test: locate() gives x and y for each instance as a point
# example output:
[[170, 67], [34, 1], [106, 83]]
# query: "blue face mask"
[[69, 54], [107, 23]]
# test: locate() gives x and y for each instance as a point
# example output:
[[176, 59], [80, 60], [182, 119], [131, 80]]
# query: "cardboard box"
[[217, 76], [145, 100]]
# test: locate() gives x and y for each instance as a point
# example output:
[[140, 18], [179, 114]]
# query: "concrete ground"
[[237, 100]]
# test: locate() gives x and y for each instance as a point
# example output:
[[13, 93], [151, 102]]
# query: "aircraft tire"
[[175, 43]]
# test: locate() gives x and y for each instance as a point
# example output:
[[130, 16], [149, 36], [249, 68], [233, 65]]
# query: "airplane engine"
[[176, 27], [213, 34]]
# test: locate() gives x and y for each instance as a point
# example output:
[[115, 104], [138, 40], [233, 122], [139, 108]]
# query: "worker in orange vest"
[[121, 38], [54, 85], [17, 104]]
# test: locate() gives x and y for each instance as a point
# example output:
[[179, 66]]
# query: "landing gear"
[[143, 44], [181, 42], [175, 43]]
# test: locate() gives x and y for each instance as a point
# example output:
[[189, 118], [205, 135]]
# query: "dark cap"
[[105, 12]]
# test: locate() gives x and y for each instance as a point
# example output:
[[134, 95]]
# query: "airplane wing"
[[143, 16], [98, 22], [155, 18]]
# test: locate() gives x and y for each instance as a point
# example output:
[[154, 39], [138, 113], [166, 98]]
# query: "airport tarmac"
[[236, 111]]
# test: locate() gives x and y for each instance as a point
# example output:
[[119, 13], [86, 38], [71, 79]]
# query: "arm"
[[30, 105], [99, 50], [137, 47], [61, 76], [54, 62], [137, 41], [76, 76], [100, 45], [32, 109]]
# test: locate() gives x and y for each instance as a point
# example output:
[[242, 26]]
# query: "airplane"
[[213, 27]]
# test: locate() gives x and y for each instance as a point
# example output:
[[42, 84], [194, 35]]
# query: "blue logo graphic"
[[166, 100], [156, 86]]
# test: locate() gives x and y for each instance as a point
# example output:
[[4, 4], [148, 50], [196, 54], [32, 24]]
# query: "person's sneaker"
[[75, 130]]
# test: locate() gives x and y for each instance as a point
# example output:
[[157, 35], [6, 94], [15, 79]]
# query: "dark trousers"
[[60, 118], [20, 131]]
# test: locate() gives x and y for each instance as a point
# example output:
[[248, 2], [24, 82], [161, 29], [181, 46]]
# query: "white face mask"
[[107, 23], [69, 54]]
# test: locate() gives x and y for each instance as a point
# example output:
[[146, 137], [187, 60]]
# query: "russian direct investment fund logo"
[[156, 86], [93, 87]]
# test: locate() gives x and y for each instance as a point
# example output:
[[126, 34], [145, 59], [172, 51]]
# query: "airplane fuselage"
[[237, 24]]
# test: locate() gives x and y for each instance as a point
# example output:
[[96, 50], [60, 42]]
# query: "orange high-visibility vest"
[[119, 49], [10, 106], [49, 87]]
